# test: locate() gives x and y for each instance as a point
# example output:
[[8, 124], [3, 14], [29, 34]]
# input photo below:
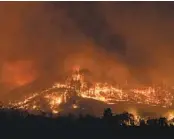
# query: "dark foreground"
[[20, 125]]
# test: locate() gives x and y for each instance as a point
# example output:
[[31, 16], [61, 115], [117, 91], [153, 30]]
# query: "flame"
[[75, 106], [55, 111], [54, 102], [169, 115], [110, 94], [136, 116]]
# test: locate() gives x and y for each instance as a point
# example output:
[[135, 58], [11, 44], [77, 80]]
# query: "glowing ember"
[[75, 106], [136, 116], [169, 115], [55, 111]]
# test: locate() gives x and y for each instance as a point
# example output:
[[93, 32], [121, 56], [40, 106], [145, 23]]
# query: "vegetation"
[[20, 124]]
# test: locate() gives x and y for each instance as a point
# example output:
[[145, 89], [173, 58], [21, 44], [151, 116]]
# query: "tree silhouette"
[[126, 118], [107, 113], [162, 121], [142, 123], [152, 122]]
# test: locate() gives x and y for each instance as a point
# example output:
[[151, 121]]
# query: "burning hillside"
[[78, 86]]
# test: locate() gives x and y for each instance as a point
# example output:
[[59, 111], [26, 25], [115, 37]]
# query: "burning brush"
[[77, 85]]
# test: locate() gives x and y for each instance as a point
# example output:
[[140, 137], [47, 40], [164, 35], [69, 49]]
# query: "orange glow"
[[169, 115], [18, 73], [135, 114], [75, 106], [154, 96], [55, 111]]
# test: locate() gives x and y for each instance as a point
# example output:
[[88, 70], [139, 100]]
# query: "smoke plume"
[[116, 41]]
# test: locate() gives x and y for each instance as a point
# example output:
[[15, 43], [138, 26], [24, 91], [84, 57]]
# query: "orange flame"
[[102, 92]]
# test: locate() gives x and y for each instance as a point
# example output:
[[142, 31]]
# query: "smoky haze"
[[116, 41]]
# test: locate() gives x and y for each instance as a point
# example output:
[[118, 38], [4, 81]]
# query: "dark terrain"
[[18, 124]]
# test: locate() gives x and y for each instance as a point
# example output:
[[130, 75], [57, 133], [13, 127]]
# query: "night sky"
[[116, 41]]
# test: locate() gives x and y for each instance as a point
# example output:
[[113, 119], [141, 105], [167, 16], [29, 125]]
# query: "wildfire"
[[136, 116], [169, 115], [110, 94]]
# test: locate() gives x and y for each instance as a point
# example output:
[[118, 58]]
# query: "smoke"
[[147, 29], [30, 32], [18, 73], [137, 35], [115, 40]]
